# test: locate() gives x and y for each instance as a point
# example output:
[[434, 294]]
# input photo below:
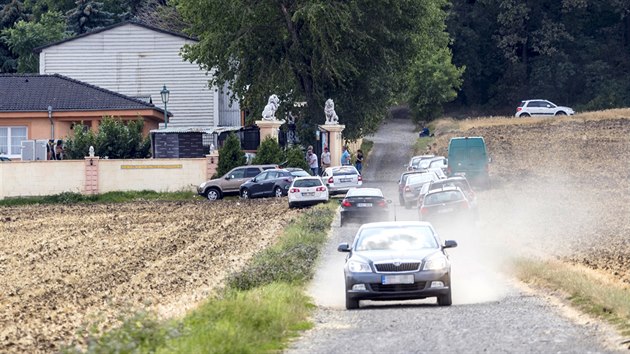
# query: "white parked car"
[[413, 185], [541, 108], [307, 191], [339, 179]]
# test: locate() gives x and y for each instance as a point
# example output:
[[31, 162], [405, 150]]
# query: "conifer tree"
[[269, 152], [230, 155]]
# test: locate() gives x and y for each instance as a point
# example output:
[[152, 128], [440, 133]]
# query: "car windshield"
[[443, 197], [399, 238], [344, 171], [420, 178], [311, 182], [299, 173]]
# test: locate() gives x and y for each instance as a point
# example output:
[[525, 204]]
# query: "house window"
[[11, 140]]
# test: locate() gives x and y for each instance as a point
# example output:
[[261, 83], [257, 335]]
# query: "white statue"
[[329, 110], [269, 113], [91, 151]]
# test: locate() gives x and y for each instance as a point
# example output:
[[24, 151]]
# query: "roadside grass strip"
[[110, 197], [590, 292], [259, 310], [420, 146]]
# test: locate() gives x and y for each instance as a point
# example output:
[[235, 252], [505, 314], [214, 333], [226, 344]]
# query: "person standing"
[[312, 163], [325, 159], [359, 161], [59, 150], [345, 156]]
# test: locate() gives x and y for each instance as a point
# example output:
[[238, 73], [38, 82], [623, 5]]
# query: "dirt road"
[[491, 311]]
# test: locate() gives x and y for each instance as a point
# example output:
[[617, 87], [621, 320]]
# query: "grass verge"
[[111, 197], [586, 290], [261, 307], [420, 146]]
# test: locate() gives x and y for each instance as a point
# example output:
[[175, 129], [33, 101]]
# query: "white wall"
[[137, 61], [31, 178], [36, 178], [162, 175]]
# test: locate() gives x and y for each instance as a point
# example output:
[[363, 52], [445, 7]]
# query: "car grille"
[[391, 267], [390, 288]]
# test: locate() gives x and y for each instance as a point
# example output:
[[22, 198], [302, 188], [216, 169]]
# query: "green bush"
[[230, 156], [295, 158], [269, 152], [116, 139]]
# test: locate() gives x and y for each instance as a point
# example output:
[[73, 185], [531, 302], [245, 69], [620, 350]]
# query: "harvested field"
[[64, 266], [561, 187]]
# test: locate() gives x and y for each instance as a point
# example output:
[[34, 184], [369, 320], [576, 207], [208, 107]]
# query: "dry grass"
[[591, 291]]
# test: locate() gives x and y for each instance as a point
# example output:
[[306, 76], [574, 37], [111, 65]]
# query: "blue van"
[[467, 156]]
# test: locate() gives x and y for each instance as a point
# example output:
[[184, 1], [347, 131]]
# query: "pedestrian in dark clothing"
[[359, 160]]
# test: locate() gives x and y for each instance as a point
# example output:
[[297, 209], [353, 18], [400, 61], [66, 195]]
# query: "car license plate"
[[308, 194], [397, 279], [345, 180], [364, 205], [445, 210]]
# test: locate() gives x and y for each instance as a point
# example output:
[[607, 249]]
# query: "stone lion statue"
[[269, 113], [329, 110]]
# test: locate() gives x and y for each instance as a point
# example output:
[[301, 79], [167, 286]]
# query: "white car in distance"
[[529, 108]]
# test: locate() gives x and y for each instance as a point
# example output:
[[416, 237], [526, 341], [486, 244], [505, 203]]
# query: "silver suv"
[[541, 108], [230, 182]]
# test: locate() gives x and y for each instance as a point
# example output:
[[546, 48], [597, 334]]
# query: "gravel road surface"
[[491, 312]]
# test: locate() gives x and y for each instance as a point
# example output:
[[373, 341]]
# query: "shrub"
[[230, 155], [115, 139], [295, 158], [269, 152]]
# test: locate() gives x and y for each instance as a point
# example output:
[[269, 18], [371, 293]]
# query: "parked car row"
[[254, 181]]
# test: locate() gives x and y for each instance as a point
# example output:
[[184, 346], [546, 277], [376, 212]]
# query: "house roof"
[[103, 29], [34, 93]]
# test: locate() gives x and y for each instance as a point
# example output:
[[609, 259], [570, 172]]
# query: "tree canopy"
[[353, 51]]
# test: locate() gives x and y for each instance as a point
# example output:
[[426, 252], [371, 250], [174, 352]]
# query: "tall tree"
[[353, 51], [10, 13], [25, 36], [88, 15]]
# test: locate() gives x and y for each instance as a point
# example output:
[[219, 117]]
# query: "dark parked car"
[[230, 182], [397, 261], [4, 158], [447, 205], [270, 183], [364, 204]]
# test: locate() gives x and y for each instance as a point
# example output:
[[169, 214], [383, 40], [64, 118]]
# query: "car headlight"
[[436, 263], [202, 185], [358, 267]]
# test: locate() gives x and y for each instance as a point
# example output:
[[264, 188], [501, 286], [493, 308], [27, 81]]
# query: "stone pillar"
[[91, 175], [335, 142], [212, 164], [269, 128]]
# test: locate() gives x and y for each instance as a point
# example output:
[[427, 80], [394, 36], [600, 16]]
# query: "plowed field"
[[64, 266], [561, 186]]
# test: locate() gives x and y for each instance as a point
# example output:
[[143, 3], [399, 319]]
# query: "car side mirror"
[[228, 177], [489, 159], [449, 244], [343, 247]]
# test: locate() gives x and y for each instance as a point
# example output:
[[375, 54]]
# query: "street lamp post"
[[164, 94]]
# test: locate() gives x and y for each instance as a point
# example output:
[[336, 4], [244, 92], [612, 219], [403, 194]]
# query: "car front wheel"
[[525, 115], [213, 194], [561, 113], [245, 193], [351, 304]]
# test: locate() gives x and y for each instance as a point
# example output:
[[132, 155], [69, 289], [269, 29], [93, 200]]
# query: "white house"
[[137, 60]]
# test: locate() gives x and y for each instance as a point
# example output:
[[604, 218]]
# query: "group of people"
[[55, 151], [314, 164]]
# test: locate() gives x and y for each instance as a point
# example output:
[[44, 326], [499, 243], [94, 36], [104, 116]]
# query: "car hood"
[[401, 256]]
